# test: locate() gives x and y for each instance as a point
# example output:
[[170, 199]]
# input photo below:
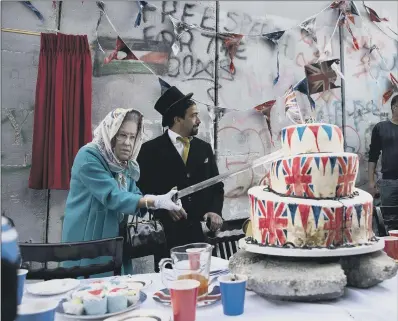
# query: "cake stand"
[[314, 252]]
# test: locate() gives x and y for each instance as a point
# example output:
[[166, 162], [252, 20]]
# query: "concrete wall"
[[238, 136]]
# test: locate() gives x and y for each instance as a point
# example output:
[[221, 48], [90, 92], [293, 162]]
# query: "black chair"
[[225, 247], [60, 252], [378, 218]]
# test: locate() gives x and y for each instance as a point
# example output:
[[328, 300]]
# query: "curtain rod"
[[26, 32]]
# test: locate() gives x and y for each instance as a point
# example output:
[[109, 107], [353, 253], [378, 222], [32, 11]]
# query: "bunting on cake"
[[393, 88], [273, 39], [120, 47], [321, 76], [231, 43]]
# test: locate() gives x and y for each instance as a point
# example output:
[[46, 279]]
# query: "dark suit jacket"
[[162, 168]]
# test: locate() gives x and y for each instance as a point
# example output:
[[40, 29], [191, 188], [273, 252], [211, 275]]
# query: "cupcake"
[[74, 306], [95, 302], [117, 300], [133, 296]]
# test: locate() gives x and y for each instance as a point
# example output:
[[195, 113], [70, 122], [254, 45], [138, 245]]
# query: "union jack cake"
[[311, 199], [319, 175], [312, 138], [299, 222]]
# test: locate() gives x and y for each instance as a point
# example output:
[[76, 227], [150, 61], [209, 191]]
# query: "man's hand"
[[373, 188], [215, 220], [178, 215]]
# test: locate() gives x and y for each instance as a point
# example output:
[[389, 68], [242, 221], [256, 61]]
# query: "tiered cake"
[[311, 200]]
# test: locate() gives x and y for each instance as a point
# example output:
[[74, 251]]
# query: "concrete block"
[[364, 271], [290, 279]]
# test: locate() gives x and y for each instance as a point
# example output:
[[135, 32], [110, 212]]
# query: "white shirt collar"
[[173, 137]]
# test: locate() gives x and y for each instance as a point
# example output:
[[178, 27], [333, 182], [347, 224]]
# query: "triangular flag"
[[231, 42], [387, 95], [292, 109], [293, 209], [163, 86], [302, 87], [308, 27], [179, 28], [265, 109], [29, 5], [273, 38], [354, 9], [120, 46], [316, 210], [374, 17]]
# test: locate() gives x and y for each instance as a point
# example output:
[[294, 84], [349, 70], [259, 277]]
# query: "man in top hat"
[[179, 159]]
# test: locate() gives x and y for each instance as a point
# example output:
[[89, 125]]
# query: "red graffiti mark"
[[365, 60]]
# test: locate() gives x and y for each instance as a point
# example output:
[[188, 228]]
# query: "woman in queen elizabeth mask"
[[103, 189]]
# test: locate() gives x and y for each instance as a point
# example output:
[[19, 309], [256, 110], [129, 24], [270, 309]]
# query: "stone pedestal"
[[312, 279]]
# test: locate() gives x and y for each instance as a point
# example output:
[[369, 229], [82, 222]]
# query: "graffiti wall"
[[237, 132]]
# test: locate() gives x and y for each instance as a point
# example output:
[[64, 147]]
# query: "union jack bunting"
[[348, 174], [273, 222], [163, 85], [120, 46], [298, 176], [292, 109], [321, 76], [387, 95]]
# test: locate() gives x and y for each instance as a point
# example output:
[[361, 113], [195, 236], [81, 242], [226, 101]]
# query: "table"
[[379, 303]]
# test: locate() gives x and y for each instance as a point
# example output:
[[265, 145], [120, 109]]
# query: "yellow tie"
[[186, 142]]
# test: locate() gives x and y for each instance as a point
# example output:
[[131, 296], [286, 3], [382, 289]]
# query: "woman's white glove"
[[165, 201]]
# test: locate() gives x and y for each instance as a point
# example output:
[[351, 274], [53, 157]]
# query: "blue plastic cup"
[[37, 310], [233, 290], [21, 283]]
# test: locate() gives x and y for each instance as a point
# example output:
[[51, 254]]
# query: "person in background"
[[103, 189], [10, 262], [179, 159], [385, 140]]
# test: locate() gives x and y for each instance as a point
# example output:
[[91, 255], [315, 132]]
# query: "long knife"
[[219, 178]]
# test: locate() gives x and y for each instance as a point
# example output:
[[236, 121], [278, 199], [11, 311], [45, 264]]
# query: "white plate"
[[134, 281], [142, 315], [314, 252], [52, 287], [60, 310]]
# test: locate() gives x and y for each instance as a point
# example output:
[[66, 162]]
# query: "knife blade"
[[219, 178]]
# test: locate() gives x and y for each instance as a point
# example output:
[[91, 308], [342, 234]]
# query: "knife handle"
[[175, 197]]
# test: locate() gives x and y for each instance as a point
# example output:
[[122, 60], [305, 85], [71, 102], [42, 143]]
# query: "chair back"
[[60, 252], [225, 246]]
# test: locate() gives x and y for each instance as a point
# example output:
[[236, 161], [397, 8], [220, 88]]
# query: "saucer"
[[163, 296]]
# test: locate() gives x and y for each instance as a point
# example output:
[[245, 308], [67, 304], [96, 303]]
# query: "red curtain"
[[62, 119]]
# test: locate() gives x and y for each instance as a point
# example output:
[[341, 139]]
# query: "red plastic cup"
[[393, 233], [391, 246], [184, 295], [194, 258]]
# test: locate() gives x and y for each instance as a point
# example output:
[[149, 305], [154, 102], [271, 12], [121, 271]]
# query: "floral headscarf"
[[103, 136]]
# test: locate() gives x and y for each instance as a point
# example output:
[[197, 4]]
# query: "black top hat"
[[169, 101]]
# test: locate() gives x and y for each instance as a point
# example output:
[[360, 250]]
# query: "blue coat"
[[95, 204]]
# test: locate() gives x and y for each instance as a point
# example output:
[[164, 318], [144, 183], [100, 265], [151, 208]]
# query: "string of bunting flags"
[[320, 76]]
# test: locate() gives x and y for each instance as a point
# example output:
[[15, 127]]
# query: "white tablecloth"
[[379, 303]]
